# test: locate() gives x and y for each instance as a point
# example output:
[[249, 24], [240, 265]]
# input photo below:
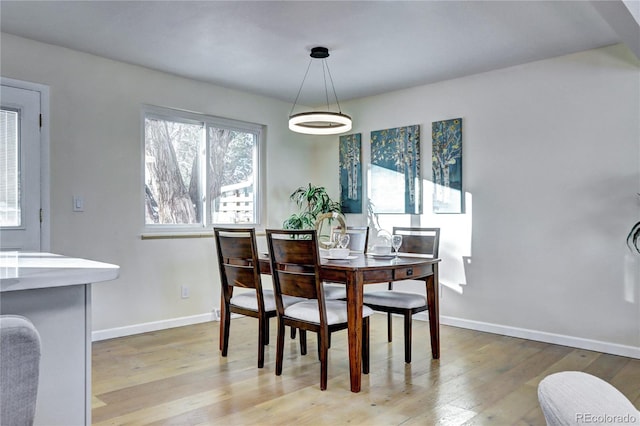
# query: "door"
[[20, 215]]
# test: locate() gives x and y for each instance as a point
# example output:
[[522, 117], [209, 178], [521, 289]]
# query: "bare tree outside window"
[[199, 173], [231, 181], [171, 152]]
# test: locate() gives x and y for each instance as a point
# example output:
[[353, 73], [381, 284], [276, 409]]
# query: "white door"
[[20, 169]]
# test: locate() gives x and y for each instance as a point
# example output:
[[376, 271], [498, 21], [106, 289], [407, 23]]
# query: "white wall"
[[96, 149], [551, 153], [550, 170]]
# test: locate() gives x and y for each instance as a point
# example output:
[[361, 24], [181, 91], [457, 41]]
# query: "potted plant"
[[312, 201]]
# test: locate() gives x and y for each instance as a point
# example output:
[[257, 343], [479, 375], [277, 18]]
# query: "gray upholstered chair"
[[19, 370], [577, 398]]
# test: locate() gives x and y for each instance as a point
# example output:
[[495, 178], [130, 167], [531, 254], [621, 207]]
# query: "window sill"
[[175, 235]]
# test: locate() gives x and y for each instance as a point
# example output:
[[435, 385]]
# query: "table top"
[[375, 269], [21, 270]]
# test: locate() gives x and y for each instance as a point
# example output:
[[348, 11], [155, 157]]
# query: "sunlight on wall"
[[455, 237], [455, 240], [631, 277], [632, 282], [387, 195]]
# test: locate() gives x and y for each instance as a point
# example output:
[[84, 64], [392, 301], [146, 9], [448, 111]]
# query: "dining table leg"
[[433, 286], [354, 318]]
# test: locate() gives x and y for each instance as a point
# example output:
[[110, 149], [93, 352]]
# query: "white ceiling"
[[376, 46]]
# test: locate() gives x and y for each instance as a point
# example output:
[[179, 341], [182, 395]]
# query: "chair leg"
[[293, 332], [328, 344], [265, 330], [365, 345], [407, 338], [389, 319], [323, 362], [222, 312], [303, 342], [279, 347], [261, 339], [225, 323]]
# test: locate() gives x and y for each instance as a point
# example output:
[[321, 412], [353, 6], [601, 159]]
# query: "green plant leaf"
[[312, 201]]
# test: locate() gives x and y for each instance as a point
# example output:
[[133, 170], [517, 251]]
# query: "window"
[[199, 170], [10, 199]]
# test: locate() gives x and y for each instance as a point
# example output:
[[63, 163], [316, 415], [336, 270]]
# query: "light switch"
[[78, 203]]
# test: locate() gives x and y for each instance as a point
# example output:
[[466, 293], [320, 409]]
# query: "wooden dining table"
[[366, 269]]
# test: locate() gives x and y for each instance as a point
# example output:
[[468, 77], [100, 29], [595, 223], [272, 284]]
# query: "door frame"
[[45, 168]]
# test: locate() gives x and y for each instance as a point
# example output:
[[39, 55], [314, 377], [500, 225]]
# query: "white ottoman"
[[577, 398]]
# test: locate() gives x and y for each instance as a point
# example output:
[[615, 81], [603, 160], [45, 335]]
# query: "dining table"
[[362, 269]]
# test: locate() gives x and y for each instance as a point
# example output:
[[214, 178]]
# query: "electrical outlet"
[[184, 291]]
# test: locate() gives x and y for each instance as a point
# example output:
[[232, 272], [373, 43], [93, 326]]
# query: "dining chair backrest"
[[238, 260], [295, 266], [419, 241], [358, 237]]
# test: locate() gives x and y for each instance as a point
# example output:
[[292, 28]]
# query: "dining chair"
[[295, 268], [239, 267], [420, 242], [358, 241]]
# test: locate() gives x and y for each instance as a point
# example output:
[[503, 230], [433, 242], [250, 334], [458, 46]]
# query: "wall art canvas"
[[447, 166], [350, 159], [396, 186]]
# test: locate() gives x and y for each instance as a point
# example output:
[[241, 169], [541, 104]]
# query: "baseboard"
[[540, 336], [523, 333], [112, 333]]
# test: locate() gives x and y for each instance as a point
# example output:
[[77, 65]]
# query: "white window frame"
[[45, 155], [151, 231]]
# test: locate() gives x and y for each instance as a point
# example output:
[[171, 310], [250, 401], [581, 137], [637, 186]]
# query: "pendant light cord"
[[334, 90], [326, 92], [302, 84]]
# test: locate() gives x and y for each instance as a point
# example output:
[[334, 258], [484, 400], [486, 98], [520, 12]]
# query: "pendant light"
[[320, 122]]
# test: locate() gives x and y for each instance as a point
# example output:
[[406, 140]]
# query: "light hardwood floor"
[[177, 377]]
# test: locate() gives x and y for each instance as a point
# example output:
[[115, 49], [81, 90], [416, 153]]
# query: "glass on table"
[[396, 242]]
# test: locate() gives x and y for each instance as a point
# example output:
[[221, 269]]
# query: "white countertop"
[[33, 270]]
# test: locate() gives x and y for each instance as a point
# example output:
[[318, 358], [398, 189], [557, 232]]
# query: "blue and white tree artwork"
[[447, 166], [351, 173], [396, 186]]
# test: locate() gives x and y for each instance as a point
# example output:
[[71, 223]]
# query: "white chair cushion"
[[336, 311], [395, 299], [576, 398], [249, 300], [334, 291]]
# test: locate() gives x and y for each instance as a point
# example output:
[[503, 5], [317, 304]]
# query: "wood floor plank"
[[627, 380], [576, 360], [515, 405], [508, 378], [177, 377]]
